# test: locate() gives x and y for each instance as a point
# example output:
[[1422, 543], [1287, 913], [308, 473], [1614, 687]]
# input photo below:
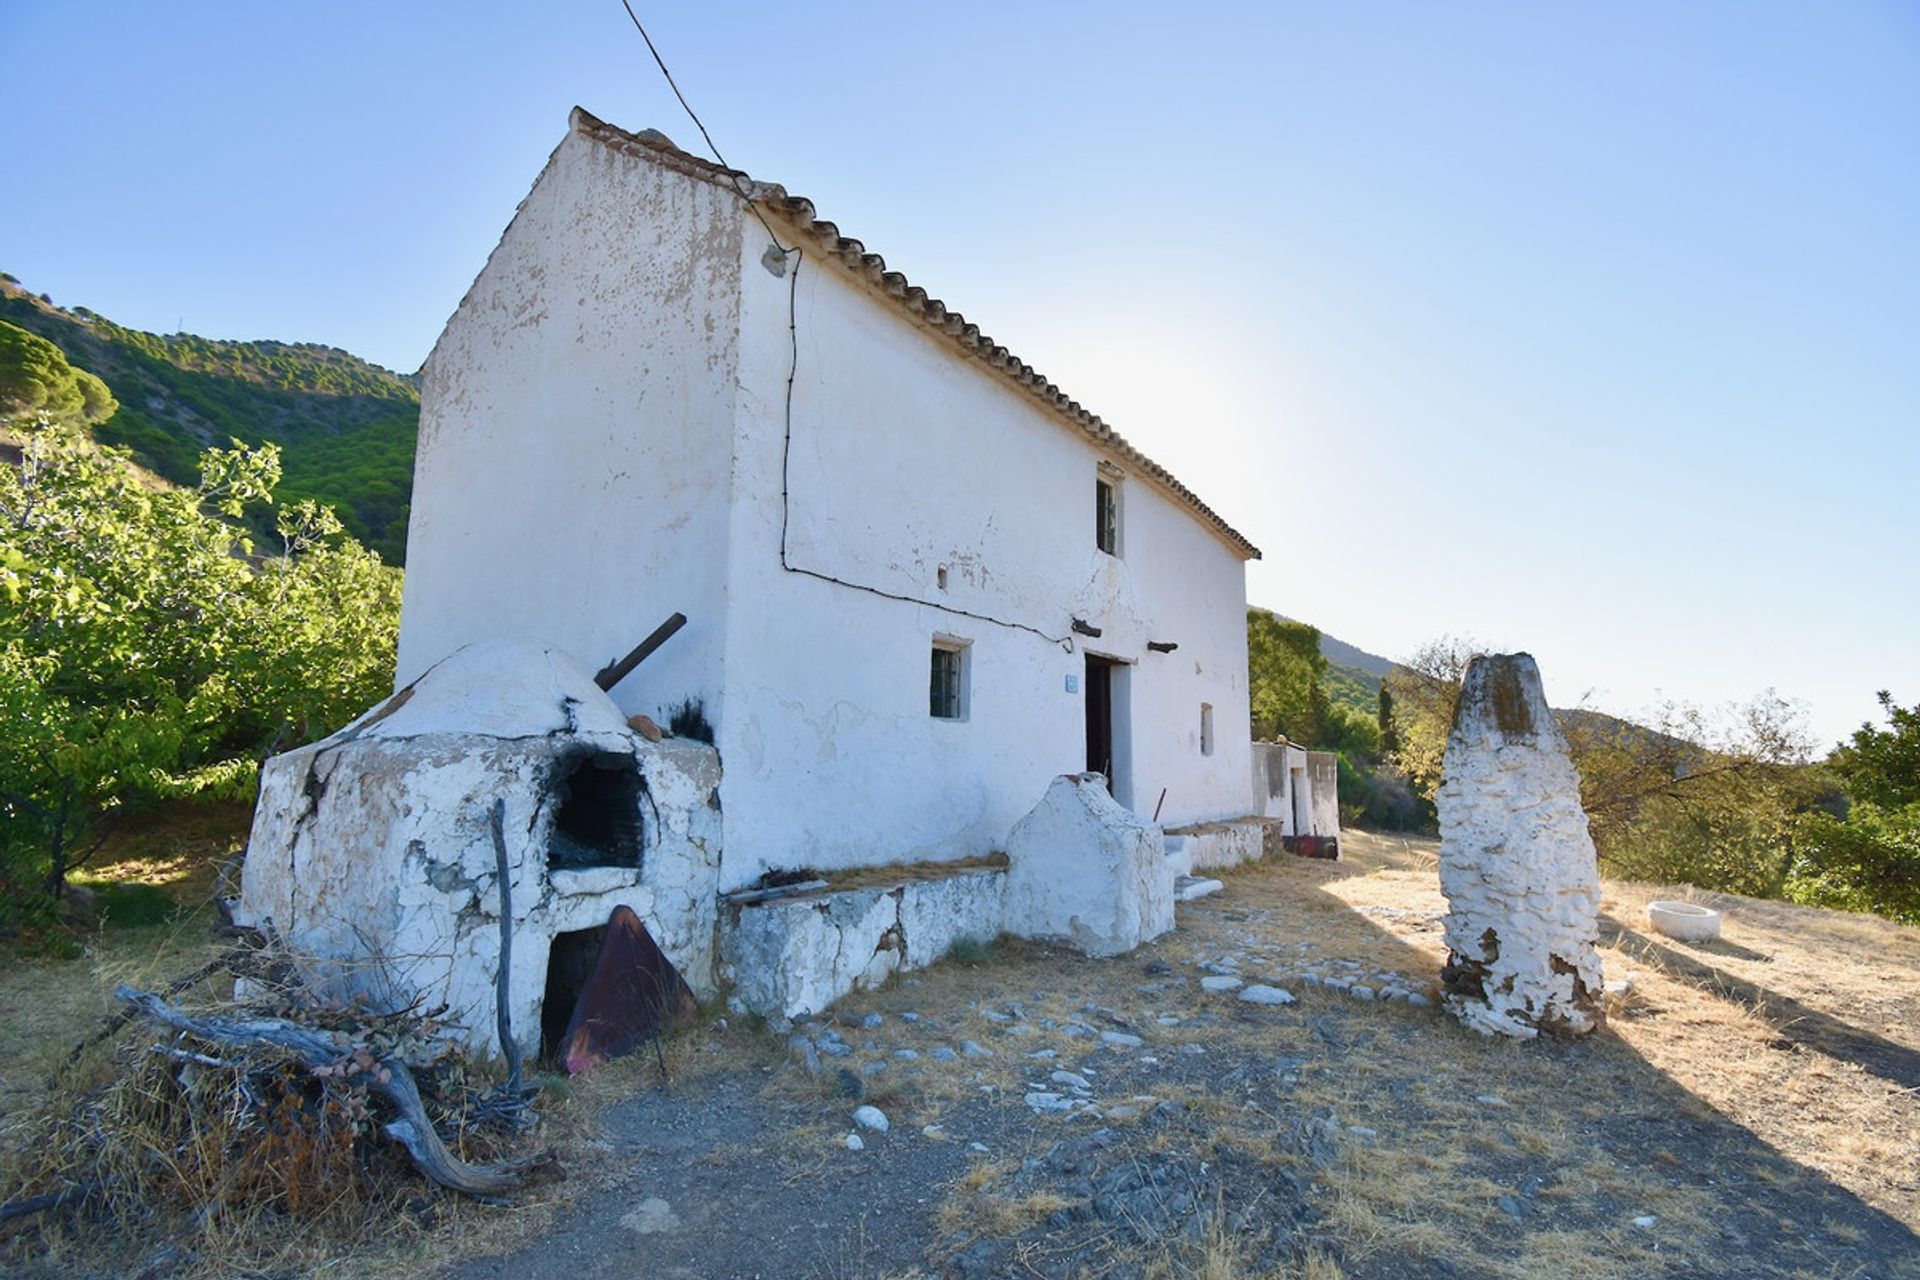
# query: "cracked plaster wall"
[[573, 474], [602, 442], [908, 457], [795, 956]]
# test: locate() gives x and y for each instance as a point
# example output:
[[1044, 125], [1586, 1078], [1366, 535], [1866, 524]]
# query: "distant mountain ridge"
[[346, 428], [1353, 675], [1339, 652]]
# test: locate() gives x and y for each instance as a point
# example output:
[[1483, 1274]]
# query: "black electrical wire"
[[732, 173], [793, 370]]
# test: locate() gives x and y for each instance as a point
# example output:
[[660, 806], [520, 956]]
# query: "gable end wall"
[[573, 477]]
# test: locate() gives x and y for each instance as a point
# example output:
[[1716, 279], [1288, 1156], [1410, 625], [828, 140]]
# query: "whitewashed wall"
[[601, 444], [907, 457], [1323, 775], [572, 482]]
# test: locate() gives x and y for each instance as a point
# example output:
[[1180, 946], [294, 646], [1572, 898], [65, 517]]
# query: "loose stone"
[[1120, 1040], [1220, 983], [973, 1050], [871, 1118], [1261, 993], [855, 1143], [650, 1216]]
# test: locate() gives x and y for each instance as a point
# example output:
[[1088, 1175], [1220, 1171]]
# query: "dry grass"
[[48, 1006], [1787, 1039], [889, 874], [217, 1192], [1753, 1030]]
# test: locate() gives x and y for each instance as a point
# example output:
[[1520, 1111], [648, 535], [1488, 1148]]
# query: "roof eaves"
[[870, 268]]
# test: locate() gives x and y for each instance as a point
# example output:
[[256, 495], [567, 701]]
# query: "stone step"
[[1187, 888]]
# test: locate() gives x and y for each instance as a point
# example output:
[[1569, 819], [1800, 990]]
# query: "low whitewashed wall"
[[795, 956], [1216, 846]]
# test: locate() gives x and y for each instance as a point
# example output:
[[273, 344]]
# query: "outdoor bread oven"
[[375, 854]]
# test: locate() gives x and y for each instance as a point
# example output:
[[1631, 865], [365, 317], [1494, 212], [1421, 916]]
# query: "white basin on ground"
[[1686, 921]]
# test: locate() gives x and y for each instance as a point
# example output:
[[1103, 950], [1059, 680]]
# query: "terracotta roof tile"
[[853, 257]]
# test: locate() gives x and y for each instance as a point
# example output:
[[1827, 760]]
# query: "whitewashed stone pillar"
[[1516, 862]]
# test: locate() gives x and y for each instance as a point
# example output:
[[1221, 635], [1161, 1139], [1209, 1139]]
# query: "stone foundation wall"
[[790, 957]]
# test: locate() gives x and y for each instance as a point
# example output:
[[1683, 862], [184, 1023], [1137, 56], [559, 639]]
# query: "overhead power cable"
[[734, 176]]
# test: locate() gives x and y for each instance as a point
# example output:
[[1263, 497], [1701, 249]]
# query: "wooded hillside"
[[346, 428]]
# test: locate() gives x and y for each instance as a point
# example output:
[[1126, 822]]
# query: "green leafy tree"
[[1284, 669], [1715, 801], [1870, 859], [1389, 734], [1423, 691], [145, 653], [1882, 766]]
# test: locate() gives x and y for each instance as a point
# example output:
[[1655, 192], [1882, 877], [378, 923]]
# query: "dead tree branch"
[[391, 1078]]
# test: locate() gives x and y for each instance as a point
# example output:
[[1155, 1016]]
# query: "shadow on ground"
[[1367, 1139]]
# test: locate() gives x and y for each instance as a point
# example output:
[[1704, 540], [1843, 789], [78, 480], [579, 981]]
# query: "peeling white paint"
[[1297, 788], [1517, 863], [795, 956], [372, 855]]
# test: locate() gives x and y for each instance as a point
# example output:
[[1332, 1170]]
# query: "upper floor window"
[[1106, 510]]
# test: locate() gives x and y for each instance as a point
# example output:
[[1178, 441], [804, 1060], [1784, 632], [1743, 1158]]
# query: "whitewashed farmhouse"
[[881, 593], [920, 583]]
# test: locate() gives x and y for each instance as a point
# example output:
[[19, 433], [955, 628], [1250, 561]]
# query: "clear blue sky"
[[1592, 330]]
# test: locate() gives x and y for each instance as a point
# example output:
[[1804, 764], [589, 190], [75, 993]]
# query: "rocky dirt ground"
[[1270, 1091]]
